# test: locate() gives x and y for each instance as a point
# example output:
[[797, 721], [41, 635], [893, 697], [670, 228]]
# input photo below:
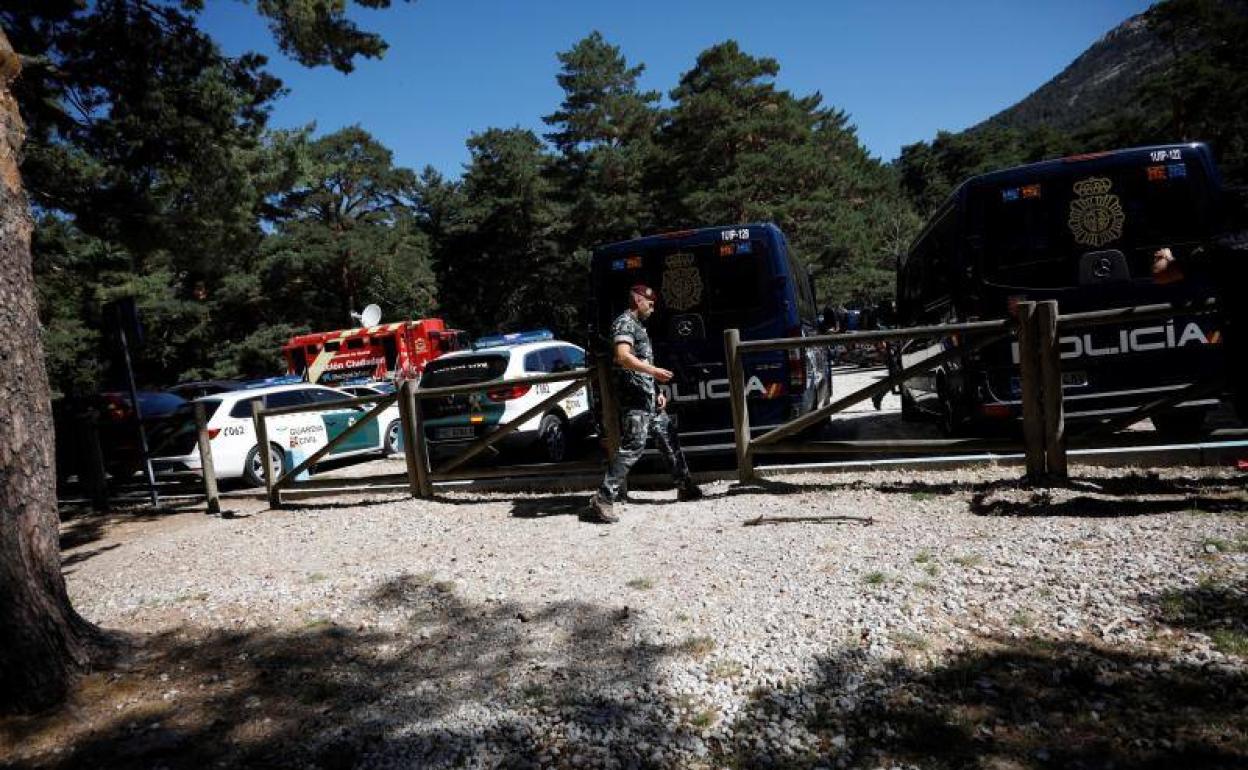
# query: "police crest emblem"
[[1096, 216], [682, 285]]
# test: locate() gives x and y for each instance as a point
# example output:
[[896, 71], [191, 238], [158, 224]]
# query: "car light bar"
[[515, 338]]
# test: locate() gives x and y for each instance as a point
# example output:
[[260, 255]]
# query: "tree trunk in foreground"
[[43, 642]]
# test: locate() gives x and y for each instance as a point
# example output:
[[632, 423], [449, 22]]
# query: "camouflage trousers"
[[636, 426]]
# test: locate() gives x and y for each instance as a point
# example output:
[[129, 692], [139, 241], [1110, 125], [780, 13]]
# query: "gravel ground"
[[883, 619]]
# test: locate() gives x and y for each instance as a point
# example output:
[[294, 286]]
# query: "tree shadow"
[[1041, 504], [81, 556], [1032, 703], [335, 505], [448, 683], [777, 487], [1218, 610], [1132, 484], [82, 526]]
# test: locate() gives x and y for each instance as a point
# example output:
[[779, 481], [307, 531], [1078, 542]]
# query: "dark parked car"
[[199, 388], [166, 418]]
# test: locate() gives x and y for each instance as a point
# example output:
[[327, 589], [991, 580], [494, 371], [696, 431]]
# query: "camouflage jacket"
[[634, 389]]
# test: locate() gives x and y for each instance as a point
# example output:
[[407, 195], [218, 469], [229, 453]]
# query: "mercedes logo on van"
[[1103, 268]]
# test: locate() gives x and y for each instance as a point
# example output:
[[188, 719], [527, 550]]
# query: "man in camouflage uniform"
[[642, 408]]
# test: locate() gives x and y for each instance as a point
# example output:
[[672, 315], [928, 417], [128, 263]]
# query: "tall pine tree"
[[604, 133]]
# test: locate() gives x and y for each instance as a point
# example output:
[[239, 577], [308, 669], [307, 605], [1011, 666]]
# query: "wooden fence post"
[[205, 459], [415, 449], [1033, 414], [92, 473], [610, 409], [740, 410], [1049, 352], [262, 446]]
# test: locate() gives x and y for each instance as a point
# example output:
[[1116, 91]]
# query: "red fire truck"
[[389, 351]]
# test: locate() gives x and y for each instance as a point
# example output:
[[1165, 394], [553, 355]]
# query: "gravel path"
[[883, 619]]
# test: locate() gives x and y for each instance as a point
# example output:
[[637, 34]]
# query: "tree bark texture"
[[43, 641]]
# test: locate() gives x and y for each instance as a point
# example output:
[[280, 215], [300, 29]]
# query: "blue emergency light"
[[285, 379], [515, 338]]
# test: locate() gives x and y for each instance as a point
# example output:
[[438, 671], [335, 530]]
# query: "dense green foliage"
[[154, 174]]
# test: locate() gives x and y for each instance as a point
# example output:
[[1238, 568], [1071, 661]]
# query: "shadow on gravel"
[[300, 505], [555, 505], [460, 684], [81, 526], [1108, 501], [1020, 704], [1217, 609], [1191, 488]]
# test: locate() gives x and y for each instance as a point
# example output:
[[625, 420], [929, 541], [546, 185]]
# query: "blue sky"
[[902, 69]]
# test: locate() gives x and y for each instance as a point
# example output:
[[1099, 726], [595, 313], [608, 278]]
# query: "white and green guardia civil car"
[[453, 422], [232, 433]]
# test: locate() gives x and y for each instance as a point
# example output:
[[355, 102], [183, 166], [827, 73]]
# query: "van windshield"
[[1031, 231]]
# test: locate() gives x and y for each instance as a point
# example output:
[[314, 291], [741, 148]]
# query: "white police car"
[[231, 431], [453, 422]]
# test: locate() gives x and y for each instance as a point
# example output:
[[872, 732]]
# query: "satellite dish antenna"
[[370, 316]]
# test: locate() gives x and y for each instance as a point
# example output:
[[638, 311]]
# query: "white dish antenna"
[[370, 317]]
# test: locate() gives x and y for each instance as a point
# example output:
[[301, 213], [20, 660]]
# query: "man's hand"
[[1165, 269], [662, 375], [662, 401]]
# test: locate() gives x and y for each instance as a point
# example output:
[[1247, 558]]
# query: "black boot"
[[688, 491]]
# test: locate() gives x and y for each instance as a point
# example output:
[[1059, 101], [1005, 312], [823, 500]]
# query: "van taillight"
[[797, 364], [508, 393], [212, 433]]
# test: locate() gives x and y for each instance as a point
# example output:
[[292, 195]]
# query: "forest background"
[[153, 174]]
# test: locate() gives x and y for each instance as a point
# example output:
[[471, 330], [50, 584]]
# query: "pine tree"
[[500, 265], [604, 134], [741, 150]]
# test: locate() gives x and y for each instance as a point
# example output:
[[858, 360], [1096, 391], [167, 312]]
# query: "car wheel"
[[553, 436], [253, 470], [393, 431]]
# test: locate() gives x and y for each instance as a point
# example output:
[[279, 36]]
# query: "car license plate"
[[462, 431], [1074, 379]]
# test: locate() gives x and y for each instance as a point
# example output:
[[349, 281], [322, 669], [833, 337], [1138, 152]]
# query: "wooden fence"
[[420, 473], [1035, 325]]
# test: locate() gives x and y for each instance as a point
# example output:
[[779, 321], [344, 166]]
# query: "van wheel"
[[553, 436], [909, 410], [391, 445], [952, 415], [253, 470], [1181, 426]]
